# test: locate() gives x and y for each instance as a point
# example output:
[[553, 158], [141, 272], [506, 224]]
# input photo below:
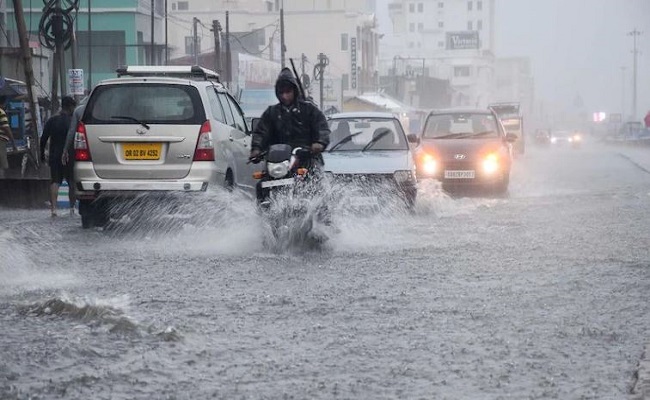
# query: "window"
[[277, 5], [344, 42], [479, 5], [183, 5], [412, 7], [470, 25], [420, 27], [441, 24], [215, 105], [469, 6], [479, 25], [237, 113], [230, 120], [411, 27], [189, 44], [173, 6], [420, 7], [462, 71], [345, 82], [269, 6], [441, 4]]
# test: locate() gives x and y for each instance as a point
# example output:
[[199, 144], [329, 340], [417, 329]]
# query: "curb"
[[641, 389]]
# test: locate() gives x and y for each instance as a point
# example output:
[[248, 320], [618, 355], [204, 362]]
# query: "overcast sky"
[[577, 48]]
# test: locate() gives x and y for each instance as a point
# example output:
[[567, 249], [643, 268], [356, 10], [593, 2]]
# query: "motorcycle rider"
[[292, 121]]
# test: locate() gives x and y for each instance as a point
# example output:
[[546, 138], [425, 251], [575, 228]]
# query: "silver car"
[[158, 130], [370, 151]]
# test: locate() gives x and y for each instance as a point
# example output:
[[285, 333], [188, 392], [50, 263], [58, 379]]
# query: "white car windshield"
[[369, 134]]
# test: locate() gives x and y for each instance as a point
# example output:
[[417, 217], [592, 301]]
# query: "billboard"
[[463, 40]]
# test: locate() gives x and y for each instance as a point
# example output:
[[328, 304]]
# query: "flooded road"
[[542, 294]]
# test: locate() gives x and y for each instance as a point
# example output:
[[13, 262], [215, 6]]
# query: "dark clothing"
[[299, 125], [56, 131]]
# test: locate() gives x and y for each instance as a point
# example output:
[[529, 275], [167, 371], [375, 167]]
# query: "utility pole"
[[635, 33], [153, 46], [283, 48], [166, 35], [216, 30], [29, 76], [228, 61], [195, 40], [90, 48], [319, 74]]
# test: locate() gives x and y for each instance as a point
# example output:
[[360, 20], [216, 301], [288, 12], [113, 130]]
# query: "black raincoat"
[[299, 125]]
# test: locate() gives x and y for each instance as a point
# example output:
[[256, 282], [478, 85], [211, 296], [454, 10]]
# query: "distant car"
[[371, 151], [566, 138], [464, 148], [158, 129]]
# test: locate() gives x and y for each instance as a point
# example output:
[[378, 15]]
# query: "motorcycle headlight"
[[403, 176], [491, 164], [278, 170]]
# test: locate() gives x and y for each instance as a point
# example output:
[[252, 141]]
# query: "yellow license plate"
[[141, 151]]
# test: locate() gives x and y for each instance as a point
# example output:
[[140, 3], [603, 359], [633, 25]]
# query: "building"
[[120, 34], [446, 39], [343, 30], [514, 82]]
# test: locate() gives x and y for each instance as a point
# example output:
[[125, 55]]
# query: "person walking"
[[56, 130], [6, 136]]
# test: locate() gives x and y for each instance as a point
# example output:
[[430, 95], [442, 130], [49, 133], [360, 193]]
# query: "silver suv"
[[158, 129]]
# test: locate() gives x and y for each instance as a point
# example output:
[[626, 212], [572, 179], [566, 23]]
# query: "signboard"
[[463, 40], [76, 81], [353, 63]]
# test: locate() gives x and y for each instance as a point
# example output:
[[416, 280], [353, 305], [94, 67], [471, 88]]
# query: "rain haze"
[[398, 235]]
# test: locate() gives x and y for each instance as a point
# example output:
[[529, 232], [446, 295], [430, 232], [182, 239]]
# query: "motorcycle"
[[289, 195]]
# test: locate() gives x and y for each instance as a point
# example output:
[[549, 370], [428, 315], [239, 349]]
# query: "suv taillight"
[[81, 150], [204, 146]]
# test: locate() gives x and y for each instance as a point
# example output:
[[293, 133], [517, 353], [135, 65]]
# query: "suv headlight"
[[278, 170], [403, 176]]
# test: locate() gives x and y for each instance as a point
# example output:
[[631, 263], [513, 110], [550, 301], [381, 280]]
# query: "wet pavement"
[[542, 294]]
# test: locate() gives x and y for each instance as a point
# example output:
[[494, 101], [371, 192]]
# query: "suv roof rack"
[[178, 71]]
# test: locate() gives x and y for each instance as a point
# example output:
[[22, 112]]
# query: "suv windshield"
[[356, 134], [148, 103], [461, 126]]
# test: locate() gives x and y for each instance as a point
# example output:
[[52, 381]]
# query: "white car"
[[158, 129], [371, 151]]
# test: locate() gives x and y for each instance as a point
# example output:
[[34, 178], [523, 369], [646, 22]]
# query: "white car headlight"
[[491, 164], [278, 170]]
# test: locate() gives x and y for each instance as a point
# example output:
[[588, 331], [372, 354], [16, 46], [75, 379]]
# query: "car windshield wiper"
[[477, 134], [451, 135], [344, 140], [375, 140], [130, 119]]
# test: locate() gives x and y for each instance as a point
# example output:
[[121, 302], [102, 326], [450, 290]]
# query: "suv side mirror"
[[511, 137], [413, 138], [254, 122]]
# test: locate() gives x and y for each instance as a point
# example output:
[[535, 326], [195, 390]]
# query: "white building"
[[343, 30], [449, 39], [514, 82]]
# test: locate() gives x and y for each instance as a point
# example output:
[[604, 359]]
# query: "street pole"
[[635, 33], [282, 46], [228, 61], [195, 40], [166, 35], [153, 48], [216, 30], [29, 76], [90, 48]]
